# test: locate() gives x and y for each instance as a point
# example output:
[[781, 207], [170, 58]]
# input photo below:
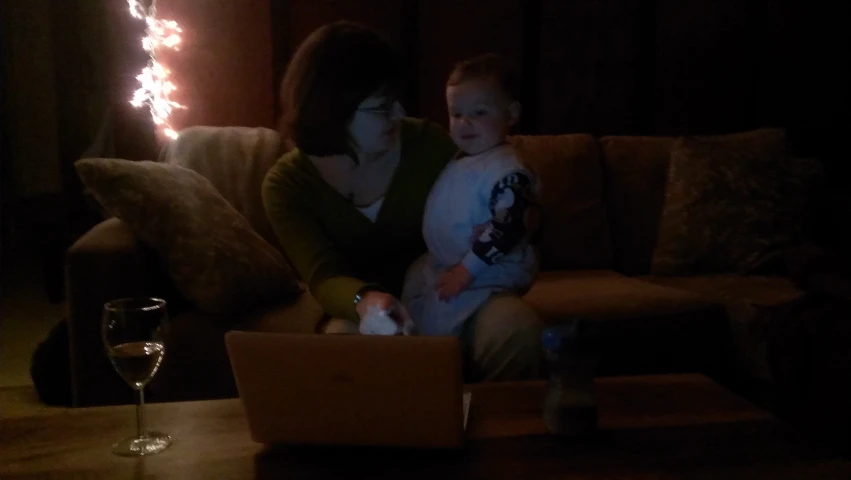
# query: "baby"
[[485, 191]]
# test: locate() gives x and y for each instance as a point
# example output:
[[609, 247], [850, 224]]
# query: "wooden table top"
[[652, 427]]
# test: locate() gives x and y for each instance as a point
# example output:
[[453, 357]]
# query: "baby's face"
[[480, 115]]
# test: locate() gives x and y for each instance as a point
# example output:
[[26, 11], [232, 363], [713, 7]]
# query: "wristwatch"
[[359, 296]]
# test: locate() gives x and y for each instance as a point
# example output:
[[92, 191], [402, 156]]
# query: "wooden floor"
[[21, 401], [26, 317], [27, 314]]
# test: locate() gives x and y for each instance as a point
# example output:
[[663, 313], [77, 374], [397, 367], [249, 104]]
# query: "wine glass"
[[133, 337]]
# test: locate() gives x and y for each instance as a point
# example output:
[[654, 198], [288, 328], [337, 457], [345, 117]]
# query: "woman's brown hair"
[[331, 73]]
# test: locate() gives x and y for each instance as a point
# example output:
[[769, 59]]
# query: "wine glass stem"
[[140, 414]]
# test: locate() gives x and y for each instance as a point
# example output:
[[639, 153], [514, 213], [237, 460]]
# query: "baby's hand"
[[452, 282]]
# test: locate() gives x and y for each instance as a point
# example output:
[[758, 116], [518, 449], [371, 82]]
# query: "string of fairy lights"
[[155, 87]]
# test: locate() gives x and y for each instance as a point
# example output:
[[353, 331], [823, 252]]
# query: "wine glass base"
[[149, 444]]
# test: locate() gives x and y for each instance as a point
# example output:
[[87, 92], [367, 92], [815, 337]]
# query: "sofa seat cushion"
[[196, 365], [647, 328], [300, 316], [750, 302], [607, 295]]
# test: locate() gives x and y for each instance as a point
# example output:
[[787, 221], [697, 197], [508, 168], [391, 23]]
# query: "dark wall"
[[649, 67], [223, 69]]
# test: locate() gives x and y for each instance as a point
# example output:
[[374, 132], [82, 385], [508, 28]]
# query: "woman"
[[347, 199]]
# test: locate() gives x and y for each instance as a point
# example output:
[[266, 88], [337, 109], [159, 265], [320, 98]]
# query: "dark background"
[[637, 67]]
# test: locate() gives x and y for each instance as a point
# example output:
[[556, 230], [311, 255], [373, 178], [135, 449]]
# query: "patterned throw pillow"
[[731, 202], [210, 251]]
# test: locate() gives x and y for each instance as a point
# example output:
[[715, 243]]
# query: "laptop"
[[364, 390]]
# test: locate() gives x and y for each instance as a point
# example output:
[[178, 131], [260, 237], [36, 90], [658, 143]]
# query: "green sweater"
[[333, 247]]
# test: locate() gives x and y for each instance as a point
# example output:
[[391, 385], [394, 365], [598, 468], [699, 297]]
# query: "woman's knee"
[[503, 340], [338, 326]]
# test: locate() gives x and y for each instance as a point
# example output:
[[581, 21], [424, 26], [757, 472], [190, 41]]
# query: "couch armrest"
[[106, 263]]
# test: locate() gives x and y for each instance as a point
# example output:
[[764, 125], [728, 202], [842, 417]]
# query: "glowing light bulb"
[[155, 87]]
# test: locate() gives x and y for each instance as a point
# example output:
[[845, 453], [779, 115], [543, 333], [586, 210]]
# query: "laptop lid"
[[349, 389]]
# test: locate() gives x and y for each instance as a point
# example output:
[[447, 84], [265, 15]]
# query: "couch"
[[603, 202]]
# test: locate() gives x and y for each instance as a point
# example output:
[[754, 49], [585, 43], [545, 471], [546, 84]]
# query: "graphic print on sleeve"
[[510, 199]]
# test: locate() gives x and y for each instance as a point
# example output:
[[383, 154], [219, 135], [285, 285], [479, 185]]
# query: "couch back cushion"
[[635, 171], [574, 227], [235, 160]]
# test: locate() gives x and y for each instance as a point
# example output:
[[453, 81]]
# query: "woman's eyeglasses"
[[385, 110]]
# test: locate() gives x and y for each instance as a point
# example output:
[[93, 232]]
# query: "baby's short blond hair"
[[490, 66]]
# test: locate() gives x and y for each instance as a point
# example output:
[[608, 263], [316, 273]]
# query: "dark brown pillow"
[[214, 257], [731, 201]]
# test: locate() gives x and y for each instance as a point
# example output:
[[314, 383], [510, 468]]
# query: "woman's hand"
[[384, 302], [452, 282]]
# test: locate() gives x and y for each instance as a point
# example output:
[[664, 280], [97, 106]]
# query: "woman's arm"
[[313, 255]]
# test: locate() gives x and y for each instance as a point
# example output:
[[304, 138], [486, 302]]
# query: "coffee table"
[[652, 427]]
